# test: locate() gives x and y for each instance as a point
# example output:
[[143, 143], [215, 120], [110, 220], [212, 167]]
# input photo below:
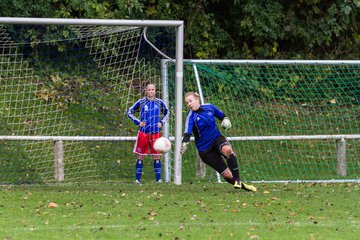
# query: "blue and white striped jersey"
[[150, 112]]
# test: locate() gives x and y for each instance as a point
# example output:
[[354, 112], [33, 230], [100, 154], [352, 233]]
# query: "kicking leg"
[[234, 168], [231, 161]]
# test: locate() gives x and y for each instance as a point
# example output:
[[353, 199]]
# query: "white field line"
[[311, 181], [334, 224]]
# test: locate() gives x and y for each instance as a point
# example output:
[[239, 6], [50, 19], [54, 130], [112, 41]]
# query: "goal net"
[[292, 120], [75, 80]]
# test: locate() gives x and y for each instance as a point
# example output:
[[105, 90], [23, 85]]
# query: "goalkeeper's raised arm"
[[210, 143]]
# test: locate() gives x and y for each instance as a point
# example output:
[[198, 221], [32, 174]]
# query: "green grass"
[[188, 211]]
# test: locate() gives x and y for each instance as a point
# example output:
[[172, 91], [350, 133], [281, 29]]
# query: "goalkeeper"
[[210, 143]]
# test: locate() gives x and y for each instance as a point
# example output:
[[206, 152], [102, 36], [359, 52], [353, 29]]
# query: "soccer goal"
[[292, 120], [65, 87]]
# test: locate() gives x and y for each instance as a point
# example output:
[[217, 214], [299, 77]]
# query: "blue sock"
[[157, 169], [139, 166]]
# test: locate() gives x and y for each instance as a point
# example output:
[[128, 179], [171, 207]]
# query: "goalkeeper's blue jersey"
[[150, 112], [202, 124]]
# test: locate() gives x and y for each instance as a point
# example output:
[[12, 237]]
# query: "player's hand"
[[159, 125], [183, 148], [226, 124]]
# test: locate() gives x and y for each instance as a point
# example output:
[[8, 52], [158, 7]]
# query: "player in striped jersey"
[[153, 113]]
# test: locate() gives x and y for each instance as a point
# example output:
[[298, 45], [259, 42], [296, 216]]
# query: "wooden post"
[[58, 161], [341, 157]]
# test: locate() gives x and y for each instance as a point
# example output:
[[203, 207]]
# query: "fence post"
[[200, 167], [58, 161], [341, 157]]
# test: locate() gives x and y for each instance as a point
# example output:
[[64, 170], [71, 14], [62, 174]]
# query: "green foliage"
[[26, 8], [247, 29], [127, 9], [300, 29], [203, 35], [81, 9]]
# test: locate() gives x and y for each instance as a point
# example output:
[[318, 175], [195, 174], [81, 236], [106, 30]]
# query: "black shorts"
[[213, 157]]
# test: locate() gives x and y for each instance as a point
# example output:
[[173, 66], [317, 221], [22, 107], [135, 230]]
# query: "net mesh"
[[72, 81], [282, 100]]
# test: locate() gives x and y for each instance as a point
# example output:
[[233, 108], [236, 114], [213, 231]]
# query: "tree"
[[301, 29]]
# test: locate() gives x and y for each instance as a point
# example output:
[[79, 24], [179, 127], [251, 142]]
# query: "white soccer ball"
[[162, 145]]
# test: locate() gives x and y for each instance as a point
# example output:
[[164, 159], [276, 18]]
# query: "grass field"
[[189, 211]]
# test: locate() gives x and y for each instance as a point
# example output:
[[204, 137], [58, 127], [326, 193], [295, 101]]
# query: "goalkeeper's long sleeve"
[[202, 124]]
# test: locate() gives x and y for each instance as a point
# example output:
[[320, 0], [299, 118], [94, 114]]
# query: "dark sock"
[[233, 166], [230, 180]]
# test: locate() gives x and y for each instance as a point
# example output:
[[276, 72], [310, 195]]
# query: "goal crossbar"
[[104, 22]]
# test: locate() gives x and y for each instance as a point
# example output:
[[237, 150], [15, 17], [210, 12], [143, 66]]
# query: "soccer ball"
[[162, 145]]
